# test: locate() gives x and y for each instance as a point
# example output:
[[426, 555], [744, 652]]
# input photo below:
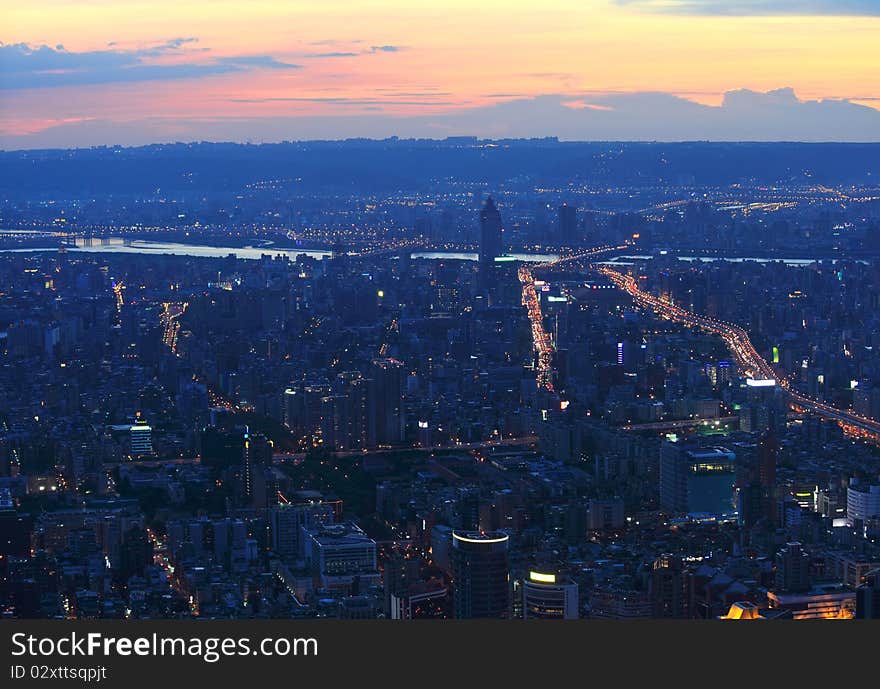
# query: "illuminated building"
[[852, 571], [424, 601], [743, 610], [335, 426], [697, 481], [288, 524], [549, 596], [255, 455], [342, 558], [667, 586], [862, 502], [141, 437], [815, 605], [480, 575]]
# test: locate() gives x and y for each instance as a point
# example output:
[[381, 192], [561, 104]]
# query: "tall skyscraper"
[[768, 451], [255, 455], [141, 438], [480, 575], [388, 376], [792, 569], [490, 238], [567, 225]]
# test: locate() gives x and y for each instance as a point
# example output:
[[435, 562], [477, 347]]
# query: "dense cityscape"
[[460, 378]]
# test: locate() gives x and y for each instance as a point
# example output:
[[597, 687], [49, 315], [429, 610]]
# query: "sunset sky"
[[86, 72]]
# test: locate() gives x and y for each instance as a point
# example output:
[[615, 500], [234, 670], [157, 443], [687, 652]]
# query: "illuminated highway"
[[170, 324], [752, 363], [514, 441], [118, 288], [541, 339]]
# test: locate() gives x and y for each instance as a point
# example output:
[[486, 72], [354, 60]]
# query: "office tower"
[[396, 576], [549, 596], [362, 413], [697, 481], [255, 455], [490, 240], [335, 427], [567, 225], [480, 575], [141, 437], [768, 449], [862, 501], [469, 509], [292, 408], [342, 558], [302, 409], [768, 452], [288, 523], [388, 378], [667, 586], [868, 597], [267, 485], [792, 569]]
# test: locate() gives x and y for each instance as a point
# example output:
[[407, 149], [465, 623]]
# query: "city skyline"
[[111, 73]]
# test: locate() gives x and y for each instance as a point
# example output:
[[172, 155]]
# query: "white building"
[[862, 501]]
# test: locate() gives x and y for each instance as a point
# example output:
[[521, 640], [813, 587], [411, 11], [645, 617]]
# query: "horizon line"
[[463, 138]]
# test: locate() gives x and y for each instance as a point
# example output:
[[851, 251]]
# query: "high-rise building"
[[567, 225], [862, 501], [549, 596], [756, 485], [868, 597], [490, 239], [768, 452], [141, 438], [362, 413], [303, 409], [667, 585], [255, 455], [388, 377], [335, 426], [697, 481], [342, 558], [792, 569], [289, 523], [480, 575]]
